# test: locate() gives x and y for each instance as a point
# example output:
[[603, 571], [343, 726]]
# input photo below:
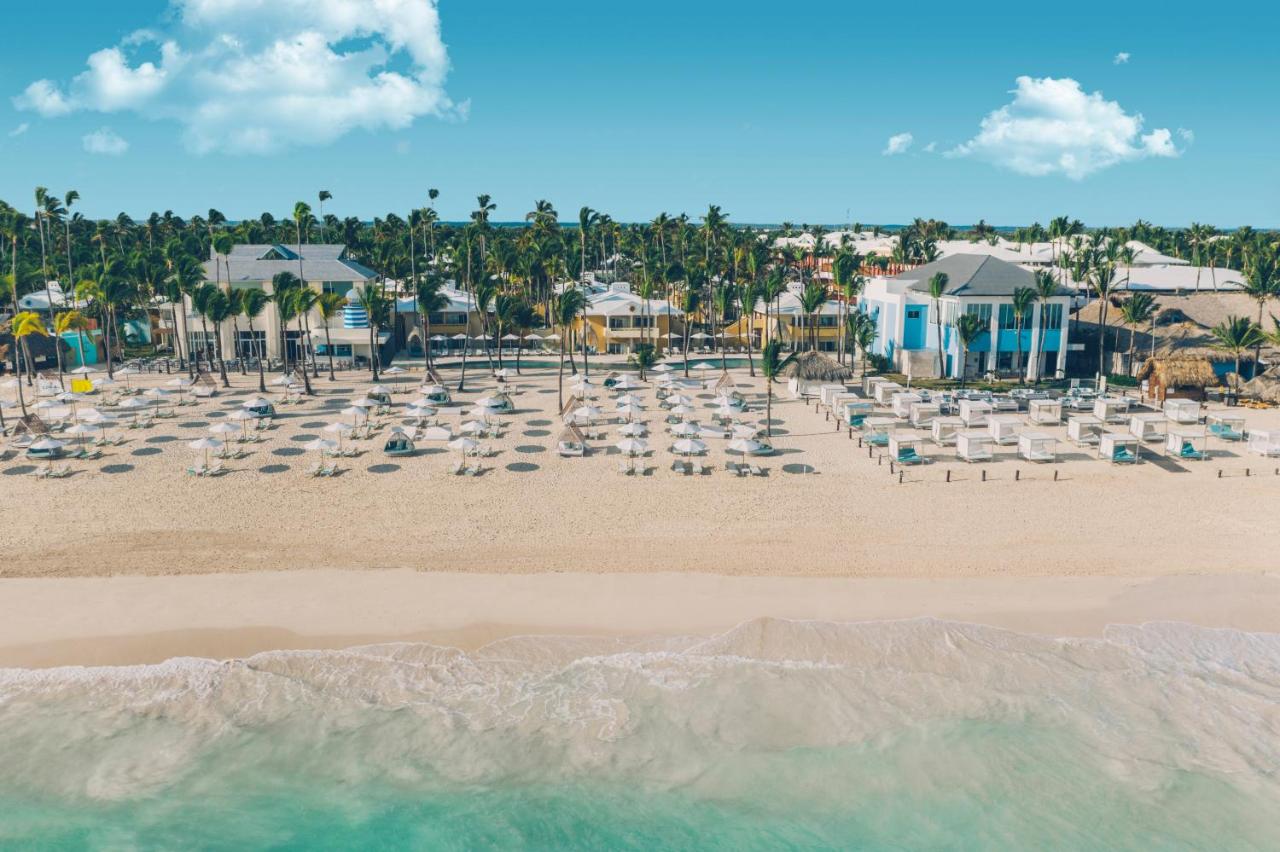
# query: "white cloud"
[[259, 76], [105, 141], [1053, 127], [897, 144], [1121, 58], [19, 130], [1186, 135], [930, 148]]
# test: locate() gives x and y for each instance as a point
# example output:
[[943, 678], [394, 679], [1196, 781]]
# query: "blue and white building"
[[908, 322]]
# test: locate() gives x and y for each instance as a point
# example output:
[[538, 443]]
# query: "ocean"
[[915, 734]]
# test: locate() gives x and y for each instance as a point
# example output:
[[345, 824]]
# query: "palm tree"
[[969, 327], [1046, 288], [770, 365], [282, 286], [485, 291], [218, 307], [375, 305], [69, 321], [305, 301], [811, 301], [430, 299], [1262, 284], [302, 218], [863, 329], [252, 302], [691, 301], [330, 305], [504, 314], [1023, 304], [644, 357], [1237, 335], [1101, 277], [1134, 311], [937, 287], [324, 196], [523, 319], [567, 307], [22, 326]]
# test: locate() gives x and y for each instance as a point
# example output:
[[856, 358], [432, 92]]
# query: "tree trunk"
[[262, 378], [328, 347]]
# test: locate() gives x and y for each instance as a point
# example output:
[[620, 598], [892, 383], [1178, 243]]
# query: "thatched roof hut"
[[1264, 386], [815, 367], [1178, 375]]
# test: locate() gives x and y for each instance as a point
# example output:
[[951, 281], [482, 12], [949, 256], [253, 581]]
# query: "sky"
[[830, 112]]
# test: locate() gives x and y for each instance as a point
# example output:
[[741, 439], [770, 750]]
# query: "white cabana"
[[923, 414], [1044, 412], [1226, 425], [1111, 409], [1265, 442], [1182, 410], [857, 411], [900, 404], [974, 412], [1003, 428], [1189, 443], [1119, 447], [973, 446], [1037, 447], [1148, 426], [1083, 429], [943, 430], [875, 430], [905, 448], [869, 385], [885, 390]]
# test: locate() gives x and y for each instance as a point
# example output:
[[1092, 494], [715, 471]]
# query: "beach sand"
[[825, 510]]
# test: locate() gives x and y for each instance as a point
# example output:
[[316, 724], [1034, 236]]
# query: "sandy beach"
[[825, 510]]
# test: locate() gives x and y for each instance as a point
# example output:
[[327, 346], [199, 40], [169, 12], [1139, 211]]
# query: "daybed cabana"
[[1038, 447], [943, 430], [1182, 410], [1003, 428], [1118, 447], [1111, 409], [1044, 412], [1187, 442], [924, 413], [905, 449], [900, 404], [885, 390], [1083, 429], [973, 446], [571, 443], [974, 412], [856, 412], [1264, 442], [1226, 425], [875, 430], [1148, 426]]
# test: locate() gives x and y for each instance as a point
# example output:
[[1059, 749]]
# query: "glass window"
[[1008, 319], [1053, 316], [982, 311]]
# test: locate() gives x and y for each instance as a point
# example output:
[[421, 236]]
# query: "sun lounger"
[[215, 470], [474, 470], [458, 468], [1225, 432], [1123, 455], [908, 455], [1189, 452], [197, 470], [757, 470]]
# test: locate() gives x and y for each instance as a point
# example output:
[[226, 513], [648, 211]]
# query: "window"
[[1008, 319], [982, 311], [251, 345], [1052, 316], [950, 311], [618, 322], [342, 288], [913, 313]]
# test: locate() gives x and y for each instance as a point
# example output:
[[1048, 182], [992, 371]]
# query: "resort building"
[[617, 319], [450, 329], [790, 323], [325, 268], [908, 322]]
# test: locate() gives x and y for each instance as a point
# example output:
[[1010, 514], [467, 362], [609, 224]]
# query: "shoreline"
[[123, 620]]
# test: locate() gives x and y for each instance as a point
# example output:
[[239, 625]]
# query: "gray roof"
[[322, 262], [972, 275]]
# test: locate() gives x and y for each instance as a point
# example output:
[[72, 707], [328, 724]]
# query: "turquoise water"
[[898, 735]]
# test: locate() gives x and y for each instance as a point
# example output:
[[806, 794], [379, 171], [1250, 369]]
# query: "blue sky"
[[775, 112]]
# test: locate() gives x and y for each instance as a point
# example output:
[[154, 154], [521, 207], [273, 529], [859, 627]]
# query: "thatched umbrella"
[[815, 367]]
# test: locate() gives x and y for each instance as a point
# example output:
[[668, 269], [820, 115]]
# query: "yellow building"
[[790, 324], [616, 320]]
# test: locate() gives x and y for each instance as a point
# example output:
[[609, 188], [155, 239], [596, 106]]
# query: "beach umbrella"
[[179, 382], [473, 427], [744, 446], [379, 389], [103, 423], [419, 411], [588, 413], [80, 430], [510, 337], [460, 337], [552, 336], [628, 399], [463, 445], [699, 335], [630, 411], [632, 430], [704, 366], [689, 446], [742, 430], [206, 444], [490, 402], [632, 446], [83, 370], [679, 399], [338, 428], [355, 411], [582, 382], [255, 402], [429, 390], [87, 414], [435, 433], [223, 428], [685, 430], [126, 372], [627, 383], [421, 402], [394, 370], [438, 337], [662, 368], [682, 410], [321, 446], [365, 402]]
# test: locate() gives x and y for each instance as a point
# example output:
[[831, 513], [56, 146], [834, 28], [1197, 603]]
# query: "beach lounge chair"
[[215, 470], [757, 470], [197, 470], [625, 467], [474, 470], [1123, 455], [60, 472], [1188, 451], [908, 455], [704, 468], [458, 468], [1226, 427]]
